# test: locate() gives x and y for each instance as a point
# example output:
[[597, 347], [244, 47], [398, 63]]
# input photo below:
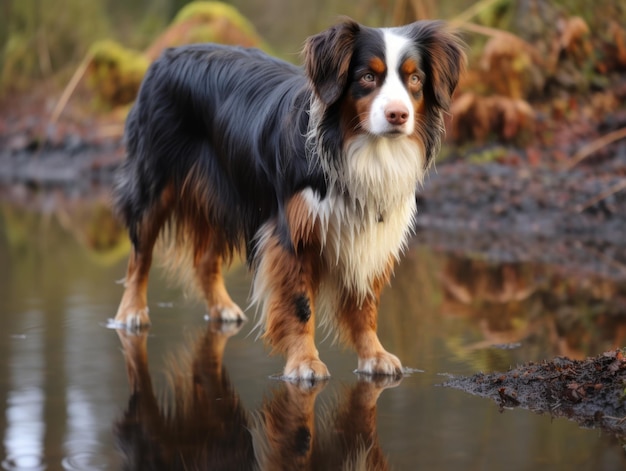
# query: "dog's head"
[[389, 82]]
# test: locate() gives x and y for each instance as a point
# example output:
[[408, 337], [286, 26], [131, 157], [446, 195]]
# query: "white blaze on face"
[[393, 94]]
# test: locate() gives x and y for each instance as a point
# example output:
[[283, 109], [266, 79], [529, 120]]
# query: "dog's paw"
[[307, 370], [383, 363], [226, 313]]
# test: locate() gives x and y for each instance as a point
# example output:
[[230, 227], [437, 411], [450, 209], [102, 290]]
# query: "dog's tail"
[[131, 195]]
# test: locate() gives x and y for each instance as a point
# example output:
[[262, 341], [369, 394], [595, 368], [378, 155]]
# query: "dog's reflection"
[[203, 425]]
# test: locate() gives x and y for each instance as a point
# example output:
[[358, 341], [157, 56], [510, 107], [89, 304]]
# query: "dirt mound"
[[590, 392]]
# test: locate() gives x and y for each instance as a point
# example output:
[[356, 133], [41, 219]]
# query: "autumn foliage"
[[554, 68]]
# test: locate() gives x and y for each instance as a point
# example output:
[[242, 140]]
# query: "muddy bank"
[[536, 201], [590, 392], [75, 168], [73, 152], [572, 218]]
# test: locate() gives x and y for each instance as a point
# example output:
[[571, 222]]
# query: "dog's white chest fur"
[[368, 213]]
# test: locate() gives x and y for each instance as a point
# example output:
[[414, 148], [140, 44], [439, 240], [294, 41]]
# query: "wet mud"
[[574, 219], [591, 391]]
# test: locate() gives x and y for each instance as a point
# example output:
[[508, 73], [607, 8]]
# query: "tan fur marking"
[[357, 319], [377, 65], [301, 223], [409, 66], [208, 269], [133, 308], [355, 114]]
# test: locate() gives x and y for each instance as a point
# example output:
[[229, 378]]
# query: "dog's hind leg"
[[208, 269], [133, 309]]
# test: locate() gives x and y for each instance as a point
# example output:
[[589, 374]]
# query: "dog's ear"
[[443, 60], [327, 57]]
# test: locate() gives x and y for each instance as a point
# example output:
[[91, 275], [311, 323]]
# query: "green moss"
[[127, 60], [115, 73], [210, 17], [210, 11]]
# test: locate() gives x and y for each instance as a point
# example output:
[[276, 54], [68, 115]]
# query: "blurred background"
[[518, 255], [534, 64]]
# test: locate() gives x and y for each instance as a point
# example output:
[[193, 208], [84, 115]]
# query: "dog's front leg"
[[284, 285], [358, 324]]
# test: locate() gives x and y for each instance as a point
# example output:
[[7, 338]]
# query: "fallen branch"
[[596, 145], [604, 195], [70, 87]]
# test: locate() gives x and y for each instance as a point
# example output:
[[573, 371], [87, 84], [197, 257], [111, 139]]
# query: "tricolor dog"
[[310, 173]]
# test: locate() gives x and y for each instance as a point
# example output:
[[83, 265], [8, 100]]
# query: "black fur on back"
[[226, 124]]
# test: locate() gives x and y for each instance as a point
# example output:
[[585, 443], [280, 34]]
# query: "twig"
[[70, 87], [596, 145], [605, 194]]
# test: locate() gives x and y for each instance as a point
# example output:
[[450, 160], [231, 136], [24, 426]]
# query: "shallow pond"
[[66, 380]]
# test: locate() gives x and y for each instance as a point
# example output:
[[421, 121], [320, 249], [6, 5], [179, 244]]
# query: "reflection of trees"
[[514, 302], [202, 424], [96, 228], [469, 281], [90, 222]]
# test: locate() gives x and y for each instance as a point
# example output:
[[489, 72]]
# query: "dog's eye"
[[368, 77], [414, 79]]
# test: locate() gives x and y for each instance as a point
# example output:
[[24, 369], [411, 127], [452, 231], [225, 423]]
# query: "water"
[[67, 400]]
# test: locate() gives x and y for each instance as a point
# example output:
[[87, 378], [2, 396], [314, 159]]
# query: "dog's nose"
[[396, 113]]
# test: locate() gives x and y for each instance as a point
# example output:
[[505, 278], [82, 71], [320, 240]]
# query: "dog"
[[310, 173]]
